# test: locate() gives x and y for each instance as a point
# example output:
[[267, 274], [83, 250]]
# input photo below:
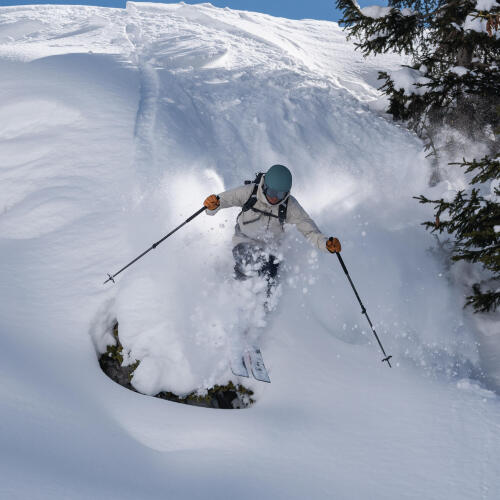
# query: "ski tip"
[[267, 381], [261, 377]]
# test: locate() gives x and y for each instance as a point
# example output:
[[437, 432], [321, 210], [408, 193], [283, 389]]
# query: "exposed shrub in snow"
[[226, 396], [111, 362]]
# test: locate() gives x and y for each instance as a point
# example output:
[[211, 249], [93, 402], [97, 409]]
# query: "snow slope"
[[114, 126]]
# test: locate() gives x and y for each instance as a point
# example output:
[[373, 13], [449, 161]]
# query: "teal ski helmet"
[[278, 181]]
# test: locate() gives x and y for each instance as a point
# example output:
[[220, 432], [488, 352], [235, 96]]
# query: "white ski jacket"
[[264, 230]]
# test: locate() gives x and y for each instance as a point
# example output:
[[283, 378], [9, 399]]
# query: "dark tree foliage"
[[474, 219], [456, 69], [452, 80]]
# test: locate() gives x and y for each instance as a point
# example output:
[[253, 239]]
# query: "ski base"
[[238, 367], [257, 366]]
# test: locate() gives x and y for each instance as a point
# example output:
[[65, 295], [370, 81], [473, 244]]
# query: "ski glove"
[[212, 202], [333, 245]]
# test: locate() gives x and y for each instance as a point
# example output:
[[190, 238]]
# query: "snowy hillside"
[[114, 127]]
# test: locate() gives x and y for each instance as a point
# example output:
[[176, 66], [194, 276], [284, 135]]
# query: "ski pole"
[[189, 219], [363, 310]]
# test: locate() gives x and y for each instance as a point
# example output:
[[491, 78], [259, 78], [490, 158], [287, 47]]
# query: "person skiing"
[[266, 206]]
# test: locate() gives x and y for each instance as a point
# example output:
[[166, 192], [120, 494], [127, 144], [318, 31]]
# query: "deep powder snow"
[[114, 126]]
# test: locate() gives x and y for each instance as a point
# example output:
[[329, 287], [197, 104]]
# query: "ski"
[[238, 366], [250, 361], [257, 366]]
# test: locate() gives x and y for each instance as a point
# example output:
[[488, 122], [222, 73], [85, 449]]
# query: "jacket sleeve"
[[300, 218], [235, 197]]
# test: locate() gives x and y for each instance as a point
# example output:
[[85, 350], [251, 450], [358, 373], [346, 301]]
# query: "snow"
[[406, 12], [114, 126], [376, 11], [459, 70], [407, 78], [475, 23], [486, 5]]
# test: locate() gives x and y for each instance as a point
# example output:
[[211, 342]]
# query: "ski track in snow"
[[149, 87], [114, 126]]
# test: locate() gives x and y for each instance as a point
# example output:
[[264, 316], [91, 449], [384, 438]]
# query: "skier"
[[266, 206]]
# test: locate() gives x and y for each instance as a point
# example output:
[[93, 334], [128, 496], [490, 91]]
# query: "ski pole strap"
[[189, 219]]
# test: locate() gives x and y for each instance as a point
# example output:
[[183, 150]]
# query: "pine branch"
[[483, 301], [489, 168], [474, 221], [453, 81]]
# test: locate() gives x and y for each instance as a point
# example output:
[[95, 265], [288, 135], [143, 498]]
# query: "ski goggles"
[[273, 193]]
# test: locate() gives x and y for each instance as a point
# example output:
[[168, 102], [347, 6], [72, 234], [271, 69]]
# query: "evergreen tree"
[[453, 80], [454, 76], [474, 219]]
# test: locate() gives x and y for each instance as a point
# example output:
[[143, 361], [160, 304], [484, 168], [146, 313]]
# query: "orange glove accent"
[[333, 245], [212, 202]]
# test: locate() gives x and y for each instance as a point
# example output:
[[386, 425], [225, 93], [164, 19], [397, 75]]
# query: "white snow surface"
[[114, 126]]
